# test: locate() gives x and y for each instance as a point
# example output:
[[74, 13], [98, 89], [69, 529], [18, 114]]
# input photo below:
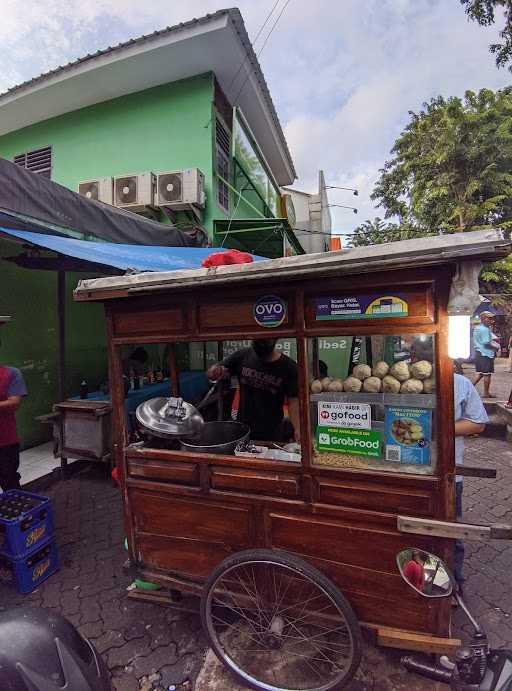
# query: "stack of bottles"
[[28, 552], [138, 381]]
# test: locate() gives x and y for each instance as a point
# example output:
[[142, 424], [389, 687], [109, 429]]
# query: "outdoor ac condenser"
[[100, 189], [134, 192], [180, 189]]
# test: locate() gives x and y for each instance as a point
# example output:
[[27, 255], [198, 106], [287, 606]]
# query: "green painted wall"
[[30, 341], [164, 128]]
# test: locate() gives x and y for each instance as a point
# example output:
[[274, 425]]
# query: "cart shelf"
[[422, 400]]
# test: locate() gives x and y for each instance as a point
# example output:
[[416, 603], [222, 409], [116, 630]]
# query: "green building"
[[179, 126]]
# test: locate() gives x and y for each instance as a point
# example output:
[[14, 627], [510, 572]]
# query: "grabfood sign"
[[269, 311], [355, 442]]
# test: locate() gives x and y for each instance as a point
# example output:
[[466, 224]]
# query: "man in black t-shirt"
[[267, 378]]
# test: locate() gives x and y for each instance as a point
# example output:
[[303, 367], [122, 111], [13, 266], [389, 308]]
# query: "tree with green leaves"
[[377, 232], [484, 12], [451, 166], [497, 277]]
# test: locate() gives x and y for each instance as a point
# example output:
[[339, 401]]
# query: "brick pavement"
[[137, 640], [488, 566], [501, 382], [153, 647]]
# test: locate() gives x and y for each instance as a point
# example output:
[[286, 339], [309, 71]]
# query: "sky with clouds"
[[343, 73]]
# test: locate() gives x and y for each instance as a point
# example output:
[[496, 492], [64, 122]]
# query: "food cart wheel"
[[279, 624]]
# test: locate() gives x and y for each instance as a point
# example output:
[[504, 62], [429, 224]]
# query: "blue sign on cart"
[[408, 435], [374, 306]]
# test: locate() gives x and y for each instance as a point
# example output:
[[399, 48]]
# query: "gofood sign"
[[345, 415], [269, 311]]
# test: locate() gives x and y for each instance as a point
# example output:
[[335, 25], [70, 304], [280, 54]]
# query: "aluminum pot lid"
[[169, 417]]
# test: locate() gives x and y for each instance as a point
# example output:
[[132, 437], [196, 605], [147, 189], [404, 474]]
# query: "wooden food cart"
[[339, 509]]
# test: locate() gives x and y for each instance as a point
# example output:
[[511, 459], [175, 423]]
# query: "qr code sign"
[[393, 454]]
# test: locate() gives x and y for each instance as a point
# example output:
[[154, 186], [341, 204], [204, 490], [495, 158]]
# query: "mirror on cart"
[[426, 573]]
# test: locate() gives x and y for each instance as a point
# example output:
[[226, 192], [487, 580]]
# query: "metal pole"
[[61, 316]]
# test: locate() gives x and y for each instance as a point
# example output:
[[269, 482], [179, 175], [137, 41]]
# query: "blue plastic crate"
[[26, 521], [27, 572]]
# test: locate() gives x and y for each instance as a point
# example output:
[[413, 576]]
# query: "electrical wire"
[[254, 41], [429, 233], [233, 79], [232, 216], [262, 47], [273, 231]]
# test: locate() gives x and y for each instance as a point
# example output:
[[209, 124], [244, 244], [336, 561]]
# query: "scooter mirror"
[[424, 572]]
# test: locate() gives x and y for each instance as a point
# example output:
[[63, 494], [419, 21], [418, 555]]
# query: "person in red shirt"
[[12, 390], [414, 571]]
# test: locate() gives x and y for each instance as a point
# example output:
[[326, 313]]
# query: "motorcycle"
[[476, 666]]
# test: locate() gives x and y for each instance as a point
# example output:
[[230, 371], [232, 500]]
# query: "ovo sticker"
[[269, 311]]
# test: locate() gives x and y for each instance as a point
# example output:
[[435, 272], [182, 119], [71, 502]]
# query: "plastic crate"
[[26, 521], [26, 573]]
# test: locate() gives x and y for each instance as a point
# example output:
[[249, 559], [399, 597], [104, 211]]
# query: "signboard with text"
[[374, 306], [355, 442], [345, 415]]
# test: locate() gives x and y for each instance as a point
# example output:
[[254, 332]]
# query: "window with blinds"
[[223, 156], [38, 161]]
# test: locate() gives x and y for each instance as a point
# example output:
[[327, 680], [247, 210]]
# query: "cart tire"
[[293, 567]]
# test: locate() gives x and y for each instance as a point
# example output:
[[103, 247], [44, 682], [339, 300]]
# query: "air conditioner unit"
[[180, 189], [100, 189], [134, 192]]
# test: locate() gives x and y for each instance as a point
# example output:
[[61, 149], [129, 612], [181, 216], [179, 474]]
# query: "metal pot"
[[169, 418], [217, 437]]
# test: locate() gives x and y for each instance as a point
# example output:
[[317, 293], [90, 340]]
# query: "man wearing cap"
[[486, 346], [12, 390]]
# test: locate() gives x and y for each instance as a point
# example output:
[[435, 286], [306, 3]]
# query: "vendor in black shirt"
[[267, 378]]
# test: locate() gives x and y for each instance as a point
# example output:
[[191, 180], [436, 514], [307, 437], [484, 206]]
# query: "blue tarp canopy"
[[123, 257]]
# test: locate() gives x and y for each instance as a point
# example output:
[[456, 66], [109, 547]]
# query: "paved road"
[[488, 589], [501, 382], [152, 647]]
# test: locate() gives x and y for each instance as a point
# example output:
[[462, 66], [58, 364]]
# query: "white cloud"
[[343, 75]]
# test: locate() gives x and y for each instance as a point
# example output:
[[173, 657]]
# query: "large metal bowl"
[[220, 437]]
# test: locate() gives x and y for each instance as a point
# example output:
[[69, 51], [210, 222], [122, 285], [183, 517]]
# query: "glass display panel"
[[246, 393], [372, 402], [248, 157]]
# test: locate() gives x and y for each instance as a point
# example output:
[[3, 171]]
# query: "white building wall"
[[313, 218]]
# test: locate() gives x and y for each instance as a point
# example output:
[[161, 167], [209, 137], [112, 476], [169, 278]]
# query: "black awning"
[[33, 202]]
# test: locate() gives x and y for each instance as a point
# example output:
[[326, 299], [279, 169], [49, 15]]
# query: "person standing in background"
[[12, 390], [470, 419], [486, 346], [509, 346]]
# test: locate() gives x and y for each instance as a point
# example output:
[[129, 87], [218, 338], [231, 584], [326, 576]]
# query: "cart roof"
[[487, 245]]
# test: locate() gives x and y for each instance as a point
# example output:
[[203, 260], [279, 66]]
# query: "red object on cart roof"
[[226, 258]]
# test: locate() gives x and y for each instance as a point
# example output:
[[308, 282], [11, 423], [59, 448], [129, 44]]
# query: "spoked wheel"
[[279, 624]]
